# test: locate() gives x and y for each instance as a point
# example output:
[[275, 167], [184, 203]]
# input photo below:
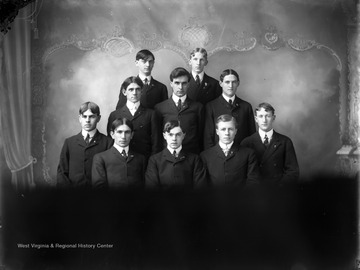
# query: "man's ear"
[[112, 134], [98, 118]]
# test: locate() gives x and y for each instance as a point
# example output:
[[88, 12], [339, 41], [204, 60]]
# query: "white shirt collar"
[[201, 75], [225, 146], [120, 149], [177, 150], [84, 133], [176, 99], [269, 134], [132, 106], [142, 77], [227, 98]]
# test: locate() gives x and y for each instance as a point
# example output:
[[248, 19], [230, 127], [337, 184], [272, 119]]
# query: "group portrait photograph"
[[166, 134]]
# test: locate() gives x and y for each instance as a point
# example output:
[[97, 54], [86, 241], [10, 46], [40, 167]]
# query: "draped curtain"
[[15, 100]]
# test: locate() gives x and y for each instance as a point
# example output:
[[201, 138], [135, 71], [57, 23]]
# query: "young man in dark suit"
[[226, 163], [119, 167], [202, 87], [275, 152], [74, 170], [228, 103], [181, 108], [173, 167], [154, 91], [147, 138]]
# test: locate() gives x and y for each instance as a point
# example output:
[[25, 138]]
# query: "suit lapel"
[[186, 104], [80, 140], [126, 112], [139, 111], [219, 152], [168, 156], [117, 154], [273, 146]]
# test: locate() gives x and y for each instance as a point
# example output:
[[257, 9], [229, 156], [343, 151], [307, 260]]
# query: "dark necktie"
[[123, 153], [174, 154], [266, 141], [230, 102], [87, 139], [179, 105], [197, 80]]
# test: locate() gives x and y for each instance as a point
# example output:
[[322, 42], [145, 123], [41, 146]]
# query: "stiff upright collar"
[[227, 98], [91, 133], [120, 149], [269, 134], [176, 99], [225, 146], [201, 75]]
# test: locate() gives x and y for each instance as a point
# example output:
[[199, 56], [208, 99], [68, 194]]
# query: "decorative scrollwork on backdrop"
[[194, 35]]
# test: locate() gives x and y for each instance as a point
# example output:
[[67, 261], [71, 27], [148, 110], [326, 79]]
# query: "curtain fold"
[[15, 100]]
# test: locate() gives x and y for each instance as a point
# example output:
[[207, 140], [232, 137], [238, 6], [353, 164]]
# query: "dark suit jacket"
[[152, 94], [76, 159], [240, 110], [208, 90], [147, 139], [111, 170], [238, 168], [165, 171], [278, 163], [191, 117]]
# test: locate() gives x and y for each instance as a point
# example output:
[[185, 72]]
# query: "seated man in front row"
[[226, 163], [172, 167], [275, 152], [119, 167]]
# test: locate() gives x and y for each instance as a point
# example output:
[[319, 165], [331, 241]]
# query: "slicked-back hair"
[[144, 55], [179, 72], [121, 121], [169, 125], [266, 106], [229, 72], [89, 105], [130, 80], [200, 50], [225, 118]]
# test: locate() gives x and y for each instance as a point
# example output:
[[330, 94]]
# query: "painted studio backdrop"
[[292, 54]]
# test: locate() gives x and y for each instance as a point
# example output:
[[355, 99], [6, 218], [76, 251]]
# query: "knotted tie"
[[123, 153], [197, 80], [87, 139], [226, 151], [179, 105], [230, 102], [174, 154], [266, 141], [146, 81]]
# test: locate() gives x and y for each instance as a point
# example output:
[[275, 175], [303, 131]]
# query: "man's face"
[[133, 92], [229, 85], [179, 86], [226, 131], [88, 120], [145, 65], [198, 62], [264, 119], [174, 137], [122, 135]]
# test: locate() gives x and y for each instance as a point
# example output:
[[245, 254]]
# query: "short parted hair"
[[121, 121], [144, 55], [169, 125], [229, 72], [266, 106], [179, 72], [130, 80], [200, 50], [93, 107], [225, 118]]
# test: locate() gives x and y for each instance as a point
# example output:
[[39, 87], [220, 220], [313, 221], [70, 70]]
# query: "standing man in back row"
[[153, 91], [202, 87], [228, 103]]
